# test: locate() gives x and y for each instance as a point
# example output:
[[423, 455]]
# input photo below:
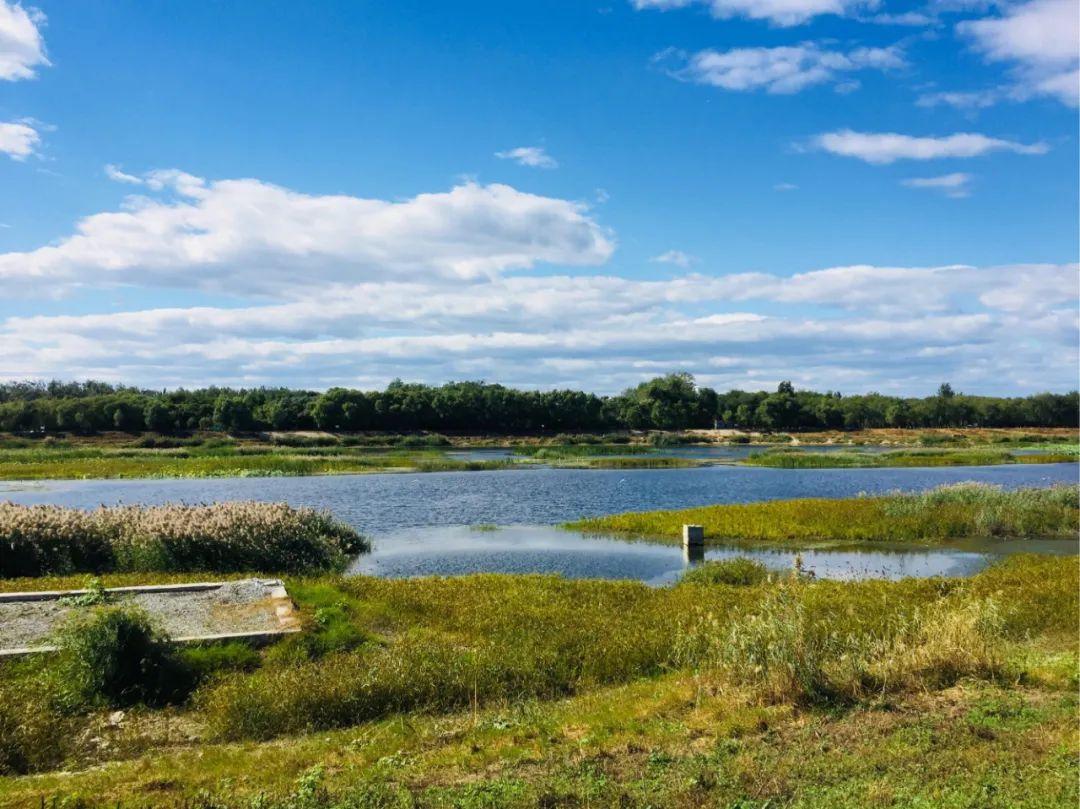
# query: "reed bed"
[[44, 540], [962, 510]]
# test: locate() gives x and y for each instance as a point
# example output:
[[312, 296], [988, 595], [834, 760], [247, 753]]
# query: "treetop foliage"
[[671, 402]]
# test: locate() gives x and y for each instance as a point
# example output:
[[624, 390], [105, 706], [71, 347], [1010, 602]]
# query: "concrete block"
[[693, 535]]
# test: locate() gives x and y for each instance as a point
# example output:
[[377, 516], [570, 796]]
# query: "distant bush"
[[739, 571], [114, 657], [668, 439], [42, 540], [153, 441], [432, 440], [293, 440]]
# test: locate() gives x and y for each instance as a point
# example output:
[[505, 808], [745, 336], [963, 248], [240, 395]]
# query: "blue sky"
[[854, 195]]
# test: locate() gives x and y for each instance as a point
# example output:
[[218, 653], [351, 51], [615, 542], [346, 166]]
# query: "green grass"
[[226, 460], [640, 462], [791, 458], [964, 510], [740, 571], [534, 690]]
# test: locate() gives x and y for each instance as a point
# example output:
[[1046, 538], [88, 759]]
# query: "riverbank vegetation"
[[539, 691], [209, 454], [793, 458], [949, 512], [672, 402], [47, 540], [41, 460]]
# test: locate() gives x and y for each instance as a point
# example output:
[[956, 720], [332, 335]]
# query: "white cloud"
[[888, 147], [115, 174], [785, 187], [676, 257], [532, 156], [962, 100], [18, 139], [907, 18], [953, 185], [246, 237], [22, 47], [780, 70], [1041, 38], [777, 12], [887, 328]]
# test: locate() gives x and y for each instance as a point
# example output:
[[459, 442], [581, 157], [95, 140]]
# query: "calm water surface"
[[419, 522], [456, 550]]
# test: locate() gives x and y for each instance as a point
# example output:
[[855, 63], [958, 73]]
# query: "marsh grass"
[[224, 459], [740, 572], [43, 540], [792, 458], [443, 645], [787, 650], [965, 510], [639, 462]]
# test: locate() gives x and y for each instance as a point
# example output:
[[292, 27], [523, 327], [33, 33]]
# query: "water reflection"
[[457, 550], [693, 555]]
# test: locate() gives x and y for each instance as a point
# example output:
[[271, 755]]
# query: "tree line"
[[671, 402]]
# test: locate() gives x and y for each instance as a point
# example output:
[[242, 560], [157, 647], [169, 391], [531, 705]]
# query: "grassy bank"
[[47, 540], [220, 459], [210, 454], [949, 512], [637, 462], [793, 458], [537, 691]]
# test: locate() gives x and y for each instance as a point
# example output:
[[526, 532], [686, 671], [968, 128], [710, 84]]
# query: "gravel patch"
[[237, 606]]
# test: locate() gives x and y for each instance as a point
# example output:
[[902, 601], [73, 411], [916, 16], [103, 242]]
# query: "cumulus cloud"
[[860, 327], [245, 236], [955, 185], [776, 12], [532, 156], [780, 70], [888, 147], [22, 48], [1041, 39], [18, 139]]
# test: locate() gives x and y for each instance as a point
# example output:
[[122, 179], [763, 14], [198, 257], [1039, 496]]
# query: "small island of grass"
[[949, 512]]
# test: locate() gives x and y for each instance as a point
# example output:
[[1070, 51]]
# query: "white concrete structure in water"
[[693, 535]]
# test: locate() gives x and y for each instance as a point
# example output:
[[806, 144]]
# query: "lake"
[[420, 522]]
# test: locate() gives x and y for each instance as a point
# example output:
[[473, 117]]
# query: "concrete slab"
[[254, 610]]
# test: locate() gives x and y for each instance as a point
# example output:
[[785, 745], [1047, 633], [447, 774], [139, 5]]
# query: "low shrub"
[[114, 657]]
